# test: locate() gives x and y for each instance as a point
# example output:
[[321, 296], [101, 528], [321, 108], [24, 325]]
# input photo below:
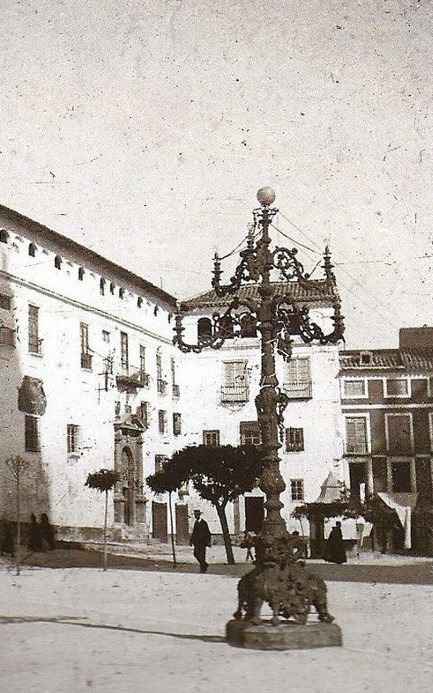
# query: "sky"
[[144, 129]]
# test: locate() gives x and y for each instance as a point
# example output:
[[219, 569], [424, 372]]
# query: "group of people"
[[41, 534], [334, 552]]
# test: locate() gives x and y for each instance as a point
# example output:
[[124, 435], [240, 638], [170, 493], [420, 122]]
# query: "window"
[[5, 302], [161, 384], [248, 326], [250, 433], [144, 413], [117, 409], [226, 327], [143, 375], [112, 287], [211, 438], [105, 336], [297, 489], [356, 435], [58, 262], [235, 384], [32, 250], [31, 434], [401, 478], [73, 437], [33, 330], [3, 236], [294, 439], [81, 273], [159, 462], [398, 430], [177, 424], [86, 358], [354, 388], [124, 356], [102, 286], [139, 302], [204, 328], [365, 358], [297, 383], [162, 421], [175, 386], [396, 387], [121, 293]]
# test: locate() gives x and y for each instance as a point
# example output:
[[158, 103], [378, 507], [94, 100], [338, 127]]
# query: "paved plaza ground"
[[160, 629]]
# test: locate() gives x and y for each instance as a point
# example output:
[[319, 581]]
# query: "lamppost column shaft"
[[271, 481]]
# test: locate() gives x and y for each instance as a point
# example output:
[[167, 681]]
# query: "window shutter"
[[356, 435], [298, 378]]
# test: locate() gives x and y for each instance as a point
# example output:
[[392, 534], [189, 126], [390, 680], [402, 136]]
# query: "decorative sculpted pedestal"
[[282, 581], [273, 310]]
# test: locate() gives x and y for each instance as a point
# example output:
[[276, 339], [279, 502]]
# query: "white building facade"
[[90, 379], [219, 403]]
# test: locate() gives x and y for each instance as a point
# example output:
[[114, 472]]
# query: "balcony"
[[161, 386], [35, 346], [234, 393], [86, 361], [133, 380], [298, 390], [145, 378], [176, 390]]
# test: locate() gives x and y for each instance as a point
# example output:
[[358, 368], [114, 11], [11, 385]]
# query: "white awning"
[[403, 505]]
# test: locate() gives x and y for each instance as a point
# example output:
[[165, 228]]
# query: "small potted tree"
[[103, 481]]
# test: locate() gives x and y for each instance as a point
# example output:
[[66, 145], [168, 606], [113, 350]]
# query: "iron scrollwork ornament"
[[277, 315]]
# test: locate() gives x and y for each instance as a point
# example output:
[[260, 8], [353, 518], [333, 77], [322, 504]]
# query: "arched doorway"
[[129, 500]]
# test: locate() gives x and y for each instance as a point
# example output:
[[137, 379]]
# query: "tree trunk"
[[105, 530], [18, 541], [173, 550], [221, 510]]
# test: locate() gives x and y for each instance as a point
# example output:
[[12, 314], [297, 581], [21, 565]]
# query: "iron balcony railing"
[[161, 386], [234, 393], [298, 390], [134, 379], [35, 346]]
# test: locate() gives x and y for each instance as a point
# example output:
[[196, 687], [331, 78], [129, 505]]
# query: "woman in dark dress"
[[35, 539], [335, 551], [47, 533]]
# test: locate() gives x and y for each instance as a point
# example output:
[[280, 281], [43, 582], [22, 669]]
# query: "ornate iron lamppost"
[[278, 577]]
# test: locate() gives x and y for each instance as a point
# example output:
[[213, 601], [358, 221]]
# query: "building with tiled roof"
[[219, 404], [322, 292], [387, 406]]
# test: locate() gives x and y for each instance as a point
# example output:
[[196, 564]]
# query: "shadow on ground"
[[420, 573]]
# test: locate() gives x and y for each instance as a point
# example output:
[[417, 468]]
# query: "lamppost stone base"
[[286, 636]]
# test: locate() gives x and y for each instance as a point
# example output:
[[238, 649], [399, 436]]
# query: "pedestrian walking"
[[248, 543], [200, 540], [335, 550], [35, 536]]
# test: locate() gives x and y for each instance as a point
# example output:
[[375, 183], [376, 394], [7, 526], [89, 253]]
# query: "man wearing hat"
[[200, 539]]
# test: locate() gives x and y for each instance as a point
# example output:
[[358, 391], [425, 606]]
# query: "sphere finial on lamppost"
[[266, 196]]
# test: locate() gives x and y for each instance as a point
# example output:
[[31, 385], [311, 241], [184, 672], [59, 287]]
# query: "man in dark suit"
[[200, 539]]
